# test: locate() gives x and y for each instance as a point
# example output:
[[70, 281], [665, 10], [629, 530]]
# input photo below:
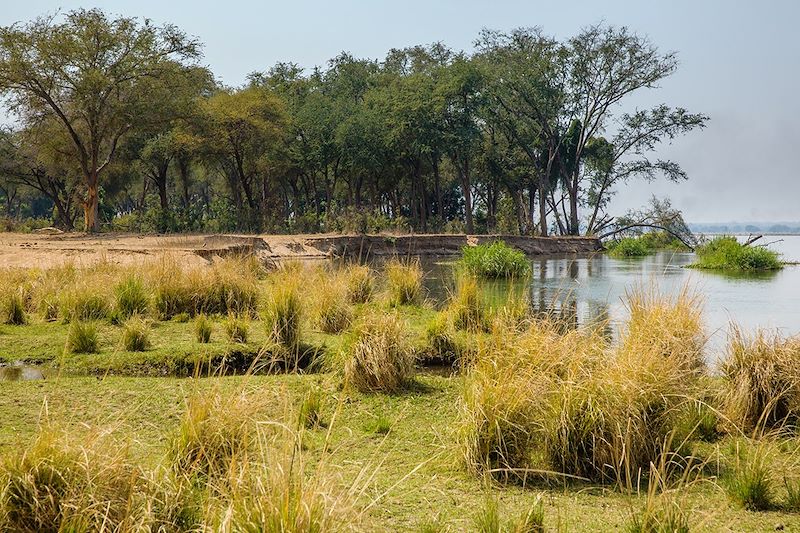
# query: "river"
[[591, 288]]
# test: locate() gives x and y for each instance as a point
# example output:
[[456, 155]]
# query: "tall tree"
[[87, 71]]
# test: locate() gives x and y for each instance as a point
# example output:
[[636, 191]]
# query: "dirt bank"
[[43, 251]]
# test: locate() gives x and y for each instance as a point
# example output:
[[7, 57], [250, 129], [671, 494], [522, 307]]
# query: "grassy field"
[[418, 481], [396, 414]]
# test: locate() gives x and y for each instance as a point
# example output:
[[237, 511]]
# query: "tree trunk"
[[466, 190], [91, 222]]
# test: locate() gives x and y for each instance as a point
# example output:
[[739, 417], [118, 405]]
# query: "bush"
[[762, 380], [495, 260], [726, 253], [131, 297], [202, 329], [82, 337], [136, 335], [360, 283], [630, 247], [404, 282], [236, 328], [379, 356]]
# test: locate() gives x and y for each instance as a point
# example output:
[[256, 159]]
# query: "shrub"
[[494, 260], [82, 337], [404, 282], [135, 335], [236, 328], [202, 329], [360, 283], [379, 356], [131, 297], [762, 380], [284, 313], [59, 484], [629, 247], [726, 253]]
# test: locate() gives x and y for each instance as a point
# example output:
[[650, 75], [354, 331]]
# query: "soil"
[[25, 250]]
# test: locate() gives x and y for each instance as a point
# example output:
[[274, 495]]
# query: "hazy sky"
[[739, 64]]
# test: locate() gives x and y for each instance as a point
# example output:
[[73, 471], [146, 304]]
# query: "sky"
[[739, 64]]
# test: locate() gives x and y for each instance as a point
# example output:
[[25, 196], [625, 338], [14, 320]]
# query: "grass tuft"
[[379, 356], [360, 283], [202, 329], [284, 313], [82, 337], [237, 328], [404, 282], [131, 298], [136, 335]]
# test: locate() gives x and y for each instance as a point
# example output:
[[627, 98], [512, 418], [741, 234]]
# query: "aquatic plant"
[[629, 247], [726, 253], [494, 260]]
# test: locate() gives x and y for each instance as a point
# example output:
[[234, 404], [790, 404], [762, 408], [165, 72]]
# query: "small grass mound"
[[136, 335], [332, 309], [202, 329], [404, 280], [12, 308], [237, 328], [467, 307], [379, 356], [629, 247], [360, 283], [311, 409], [726, 253], [494, 260], [82, 337], [762, 380]]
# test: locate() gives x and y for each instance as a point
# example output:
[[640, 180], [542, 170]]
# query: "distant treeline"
[[117, 125], [745, 227]]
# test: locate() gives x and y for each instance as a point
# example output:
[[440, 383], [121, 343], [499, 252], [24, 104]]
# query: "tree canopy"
[[116, 120]]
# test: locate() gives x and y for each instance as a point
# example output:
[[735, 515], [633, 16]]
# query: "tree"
[[87, 73]]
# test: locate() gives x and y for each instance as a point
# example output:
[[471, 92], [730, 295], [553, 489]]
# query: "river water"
[[593, 288]]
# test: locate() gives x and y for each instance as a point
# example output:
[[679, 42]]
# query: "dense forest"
[[116, 124]]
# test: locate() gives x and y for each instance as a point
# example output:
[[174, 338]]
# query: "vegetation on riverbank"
[[644, 244], [532, 420], [727, 253], [495, 260]]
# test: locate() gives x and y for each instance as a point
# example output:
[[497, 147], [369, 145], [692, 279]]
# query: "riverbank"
[[44, 251]]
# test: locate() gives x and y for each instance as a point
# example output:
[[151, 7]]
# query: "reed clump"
[[762, 380], [404, 282], [12, 306], [494, 260], [202, 329], [85, 301], [379, 356], [131, 297], [466, 306], [237, 328]]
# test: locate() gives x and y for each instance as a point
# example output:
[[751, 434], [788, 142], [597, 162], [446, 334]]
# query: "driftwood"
[[751, 239], [689, 245]]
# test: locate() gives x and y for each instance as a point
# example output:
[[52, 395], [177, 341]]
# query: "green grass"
[[413, 462], [630, 247], [726, 253], [495, 260]]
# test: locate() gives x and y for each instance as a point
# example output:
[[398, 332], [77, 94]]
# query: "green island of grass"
[[726, 253]]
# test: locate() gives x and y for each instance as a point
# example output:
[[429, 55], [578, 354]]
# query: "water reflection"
[[20, 373]]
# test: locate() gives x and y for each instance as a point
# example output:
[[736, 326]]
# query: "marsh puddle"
[[20, 373]]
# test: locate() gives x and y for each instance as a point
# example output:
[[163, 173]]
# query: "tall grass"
[[333, 312], [82, 337], [467, 307], [629, 247], [360, 283], [576, 404], [726, 253], [131, 297], [494, 260], [379, 356], [202, 329], [85, 300], [404, 280], [284, 313], [762, 380], [136, 335], [12, 307]]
